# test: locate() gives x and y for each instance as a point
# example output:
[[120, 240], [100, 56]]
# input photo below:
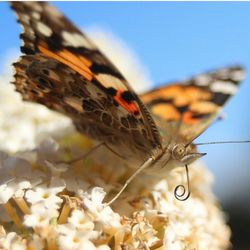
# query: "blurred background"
[[173, 41]]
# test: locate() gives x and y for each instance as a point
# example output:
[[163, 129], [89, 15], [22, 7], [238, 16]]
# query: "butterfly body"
[[65, 71]]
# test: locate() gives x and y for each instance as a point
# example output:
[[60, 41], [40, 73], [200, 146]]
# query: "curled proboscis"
[[185, 192]]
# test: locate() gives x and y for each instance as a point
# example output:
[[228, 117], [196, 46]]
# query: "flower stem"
[[64, 213], [13, 215], [51, 244], [21, 203]]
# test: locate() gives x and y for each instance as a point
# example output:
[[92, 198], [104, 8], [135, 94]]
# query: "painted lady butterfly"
[[65, 71]]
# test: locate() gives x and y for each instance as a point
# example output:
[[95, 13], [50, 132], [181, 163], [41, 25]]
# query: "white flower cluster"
[[38, 210], [46, 204]]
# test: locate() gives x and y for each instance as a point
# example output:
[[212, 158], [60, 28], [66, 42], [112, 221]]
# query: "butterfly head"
[[186, 154]]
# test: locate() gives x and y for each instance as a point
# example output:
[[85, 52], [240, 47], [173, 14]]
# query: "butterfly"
[[63, 69]]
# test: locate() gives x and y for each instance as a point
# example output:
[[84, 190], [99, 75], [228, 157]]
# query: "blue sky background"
[[176, 40]]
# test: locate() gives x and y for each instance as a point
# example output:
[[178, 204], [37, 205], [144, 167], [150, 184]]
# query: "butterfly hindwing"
[[190, 106]]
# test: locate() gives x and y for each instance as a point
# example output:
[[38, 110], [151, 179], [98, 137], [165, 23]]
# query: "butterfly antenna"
[[145, 165], [221, 142], [185, 193]]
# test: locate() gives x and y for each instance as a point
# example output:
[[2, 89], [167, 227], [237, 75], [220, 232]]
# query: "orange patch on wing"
[[181, 95], [188, 119], [166, 111], [190, 94], [165, 92], [77, 63], [200, 107], [130, 107], [195, 93]]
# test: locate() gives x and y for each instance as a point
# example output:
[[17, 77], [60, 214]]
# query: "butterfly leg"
[[81, 157], [144, 165], [111, 150], [184, 195]]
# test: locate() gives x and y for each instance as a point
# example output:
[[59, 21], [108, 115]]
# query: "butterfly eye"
[[178, 151]]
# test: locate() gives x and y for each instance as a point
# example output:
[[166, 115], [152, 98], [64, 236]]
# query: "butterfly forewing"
[[65, 71]]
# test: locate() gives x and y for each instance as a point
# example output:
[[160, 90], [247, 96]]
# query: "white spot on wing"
[[224, 87], [238, 75], [75, 40], [44, 29], [202, 80], [36, 15], [22, 43], [111, 81], [123, 57], [74, 103]]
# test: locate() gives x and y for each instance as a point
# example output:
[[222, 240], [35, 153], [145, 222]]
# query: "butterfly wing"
[[188, 108], [65, 71]]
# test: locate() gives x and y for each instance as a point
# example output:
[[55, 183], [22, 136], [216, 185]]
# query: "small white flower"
[[36, 243], [16, 175], [80, 220], [71, 238], [6, 192], [40, 216], [12, 241], [170, 240], [103, 214], [86, 244], [93, 200], [46, 195]]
